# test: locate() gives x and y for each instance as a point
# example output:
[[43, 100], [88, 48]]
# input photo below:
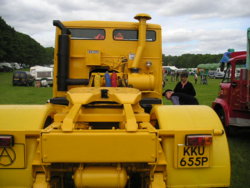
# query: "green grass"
[[239, 144], [21, 94], [240, 155]]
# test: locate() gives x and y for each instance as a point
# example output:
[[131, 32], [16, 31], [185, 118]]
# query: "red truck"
[[233, 102]]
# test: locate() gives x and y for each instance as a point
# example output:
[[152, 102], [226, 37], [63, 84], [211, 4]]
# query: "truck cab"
[[231, 105], [106, 125]]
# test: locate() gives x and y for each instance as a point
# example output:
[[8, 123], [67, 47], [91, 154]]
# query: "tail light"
[[198, 140], [6, 140]]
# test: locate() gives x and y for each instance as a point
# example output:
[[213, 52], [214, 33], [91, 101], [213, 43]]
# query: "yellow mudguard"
[[24, 123], [175, 123]]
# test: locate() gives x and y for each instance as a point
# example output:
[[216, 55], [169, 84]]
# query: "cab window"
[[16, 75], [132, 35], [22, 75], [87, 34], [240, 64], [227, 75]]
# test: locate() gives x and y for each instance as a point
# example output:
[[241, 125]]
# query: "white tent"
[[172, 68]]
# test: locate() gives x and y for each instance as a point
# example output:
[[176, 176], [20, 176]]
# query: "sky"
[[188, 26]]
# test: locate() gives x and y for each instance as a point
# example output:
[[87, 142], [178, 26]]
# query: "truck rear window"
[[19, 75], [132, 35], [87, 34]]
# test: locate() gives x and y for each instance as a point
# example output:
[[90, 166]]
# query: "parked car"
[[15, 66], [211, 74], [22, 78], [6, 67], [219, 75]]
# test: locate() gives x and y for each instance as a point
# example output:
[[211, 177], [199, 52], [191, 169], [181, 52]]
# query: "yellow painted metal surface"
[[13, 157], [102, 115], [104, 157], [159, 181], [20, 177], [20, 121], [23, 117], [111, 53], [93, 57], [177, 121], [40, 181], [24, 122], [142, 81], [131, 124], [100, 177], [120, 95], [70, 119], [99, 146], [142, 38]]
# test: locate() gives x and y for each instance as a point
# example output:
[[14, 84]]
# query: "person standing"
[[177, 76], [195, 78], [184, 86], [172, 76]]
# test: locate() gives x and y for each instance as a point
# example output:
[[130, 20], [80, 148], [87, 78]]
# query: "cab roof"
[[106, 24]]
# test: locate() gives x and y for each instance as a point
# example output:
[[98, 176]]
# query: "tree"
[[21, 48], [190, 60]]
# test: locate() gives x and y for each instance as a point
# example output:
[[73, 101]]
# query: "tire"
[[228, 129]]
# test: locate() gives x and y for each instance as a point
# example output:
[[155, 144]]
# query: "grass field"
[[239, 144], [21, 94]]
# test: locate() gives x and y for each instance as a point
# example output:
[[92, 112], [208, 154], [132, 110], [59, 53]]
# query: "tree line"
[[190, 60], [21, 48]]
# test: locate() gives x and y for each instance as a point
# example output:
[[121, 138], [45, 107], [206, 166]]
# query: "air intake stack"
[[142, 18]]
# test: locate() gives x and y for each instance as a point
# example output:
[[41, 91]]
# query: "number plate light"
[[198, 140], [6, 140]]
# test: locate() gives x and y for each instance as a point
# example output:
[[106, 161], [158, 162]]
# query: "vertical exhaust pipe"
[[63, 56], [142, 18]]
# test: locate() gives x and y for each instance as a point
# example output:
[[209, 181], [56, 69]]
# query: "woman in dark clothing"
[[184, 86], [180, 98]]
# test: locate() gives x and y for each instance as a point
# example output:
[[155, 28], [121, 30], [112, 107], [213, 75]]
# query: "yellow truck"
[[106, 125]]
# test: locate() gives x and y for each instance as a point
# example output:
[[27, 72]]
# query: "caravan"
[[43, 74]]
